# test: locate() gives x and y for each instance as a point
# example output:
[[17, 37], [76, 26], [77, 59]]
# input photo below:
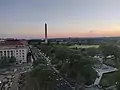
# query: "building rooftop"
[[104, 68], [12, 44]]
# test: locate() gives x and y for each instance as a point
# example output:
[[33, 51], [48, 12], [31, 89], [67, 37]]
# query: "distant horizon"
[[61, 37]]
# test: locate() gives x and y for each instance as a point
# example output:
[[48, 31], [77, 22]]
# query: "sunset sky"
[[65, 18]]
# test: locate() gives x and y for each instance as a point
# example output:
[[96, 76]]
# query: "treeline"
[[6, 61], [74, 65]]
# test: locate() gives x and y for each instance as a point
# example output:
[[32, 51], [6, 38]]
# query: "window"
[[1, 54], [16, 50], [4, 54], [23, 56], [22, 53], [19, 50], [16, 53], [11, 53], [8, 53], [22, 50], [4, 51]]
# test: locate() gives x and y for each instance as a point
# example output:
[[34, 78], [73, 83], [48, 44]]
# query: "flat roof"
[[102, 68]]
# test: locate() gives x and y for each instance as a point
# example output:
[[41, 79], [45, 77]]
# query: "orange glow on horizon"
[[99, 33], [73, 32]]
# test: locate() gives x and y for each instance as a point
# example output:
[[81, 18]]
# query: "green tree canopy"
[[45, 77], [4, 62], [110, 49], [39, 61], [12, 59]]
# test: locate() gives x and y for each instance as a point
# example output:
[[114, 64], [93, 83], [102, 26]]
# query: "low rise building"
[[18, 49]]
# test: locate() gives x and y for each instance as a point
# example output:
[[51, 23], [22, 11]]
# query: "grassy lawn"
[[84, 46], [108, 79]]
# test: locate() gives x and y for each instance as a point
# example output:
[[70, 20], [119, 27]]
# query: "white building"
[[18, 49]]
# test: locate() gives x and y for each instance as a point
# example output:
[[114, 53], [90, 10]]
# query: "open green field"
[[84, 46]]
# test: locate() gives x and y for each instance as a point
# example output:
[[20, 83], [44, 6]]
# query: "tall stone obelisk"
[[46, 40]]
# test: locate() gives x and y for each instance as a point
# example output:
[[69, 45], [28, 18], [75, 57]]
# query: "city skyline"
[[65, 18]]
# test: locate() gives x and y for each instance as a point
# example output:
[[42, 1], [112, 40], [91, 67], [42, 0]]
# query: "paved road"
[[1, 77], [14, 85], [62, 84]]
